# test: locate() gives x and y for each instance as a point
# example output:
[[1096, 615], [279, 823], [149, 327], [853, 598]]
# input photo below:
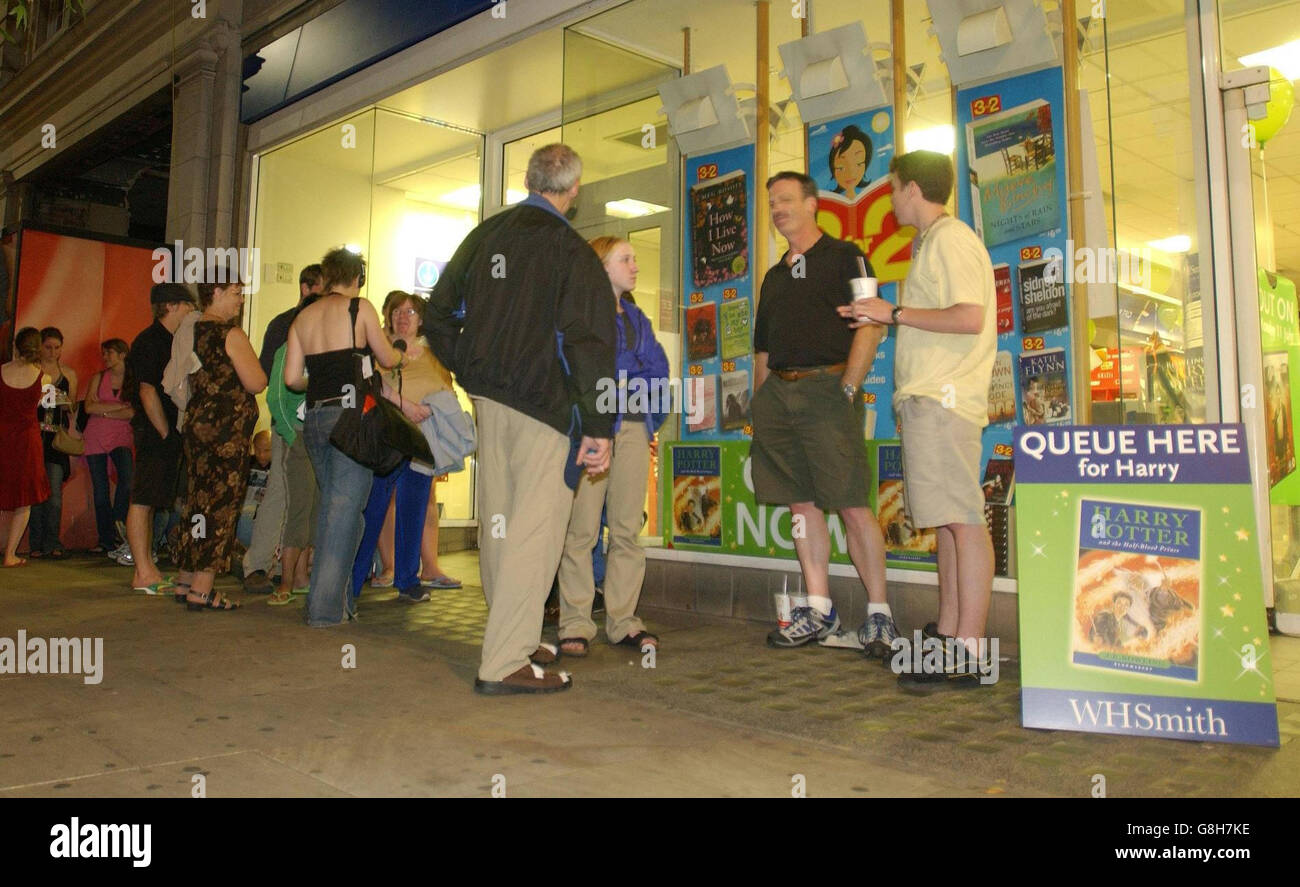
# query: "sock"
[[822, 605], [873, 609]]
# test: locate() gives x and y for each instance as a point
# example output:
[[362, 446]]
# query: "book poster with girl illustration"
[[850, 158]]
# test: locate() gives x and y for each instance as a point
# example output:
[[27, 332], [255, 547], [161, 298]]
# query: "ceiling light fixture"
[[1179, 243], [630, 208], [1285, 57]]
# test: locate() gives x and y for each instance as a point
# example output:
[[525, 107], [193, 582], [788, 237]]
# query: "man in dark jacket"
[[522, 316]]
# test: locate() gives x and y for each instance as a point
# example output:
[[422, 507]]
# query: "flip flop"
[[303, 590], [279, 598], [22, 562], [442, 582], [153, 587]]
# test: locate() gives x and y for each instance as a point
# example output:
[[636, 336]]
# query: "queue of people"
[[529, 319]]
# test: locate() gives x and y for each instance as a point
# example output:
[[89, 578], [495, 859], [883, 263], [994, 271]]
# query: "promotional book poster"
[[1011, 189], [720, 229], [1042, 296], [903, 541], [736, 328], [696, 500], [1147, 614], [1013, 183], [707, 504], [1044, 388], [718, 288], [849, 158]]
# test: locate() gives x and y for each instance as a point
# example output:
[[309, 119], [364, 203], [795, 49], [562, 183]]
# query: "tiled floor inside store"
[[263, 706]]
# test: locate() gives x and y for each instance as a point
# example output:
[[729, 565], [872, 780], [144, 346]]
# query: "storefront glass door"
[[1264, 168]]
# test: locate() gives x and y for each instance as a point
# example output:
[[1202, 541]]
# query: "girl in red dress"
[[20, 439]]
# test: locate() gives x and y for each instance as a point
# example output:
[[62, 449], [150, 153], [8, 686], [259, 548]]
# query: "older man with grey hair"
[[522, 316]]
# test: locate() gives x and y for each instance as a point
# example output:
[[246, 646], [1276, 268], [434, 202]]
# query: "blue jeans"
[[344, 487], [47, 516], [412, 490], [106, 510]]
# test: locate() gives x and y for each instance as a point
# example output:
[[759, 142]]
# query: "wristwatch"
[[850, 391], [893, 315]]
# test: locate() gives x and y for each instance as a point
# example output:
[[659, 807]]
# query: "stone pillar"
[[193, 120]]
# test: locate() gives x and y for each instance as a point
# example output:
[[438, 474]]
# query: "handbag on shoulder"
[[374, 431]]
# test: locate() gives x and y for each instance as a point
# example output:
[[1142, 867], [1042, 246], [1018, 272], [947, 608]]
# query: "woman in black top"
[[319, 357], [55, 412]]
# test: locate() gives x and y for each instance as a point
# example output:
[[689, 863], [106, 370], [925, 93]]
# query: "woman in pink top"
[[108, 436]]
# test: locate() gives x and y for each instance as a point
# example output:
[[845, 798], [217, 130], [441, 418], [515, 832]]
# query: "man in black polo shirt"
[[157, 442], [808, 450]]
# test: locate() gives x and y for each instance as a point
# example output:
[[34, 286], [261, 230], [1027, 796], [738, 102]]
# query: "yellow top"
[[949, 265], [423, 374]]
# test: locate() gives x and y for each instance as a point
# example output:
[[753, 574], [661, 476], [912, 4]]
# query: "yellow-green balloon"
[[1278, 108]]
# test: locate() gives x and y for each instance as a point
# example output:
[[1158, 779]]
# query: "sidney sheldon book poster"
[[1012, 157], [719, 230]]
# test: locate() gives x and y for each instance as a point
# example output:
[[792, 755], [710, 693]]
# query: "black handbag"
[[374, 431]]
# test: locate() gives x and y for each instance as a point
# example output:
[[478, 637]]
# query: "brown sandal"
[[545, 654], [529, 679]]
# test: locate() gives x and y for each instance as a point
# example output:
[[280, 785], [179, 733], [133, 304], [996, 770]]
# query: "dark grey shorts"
[[808, 444]]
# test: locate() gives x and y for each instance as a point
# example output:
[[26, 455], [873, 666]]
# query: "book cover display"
[[1042, 295], [735, 400], [1010, 170], [1044, 388], [1002, 390], [718, 292], [1013, 182], [903, 541], [1147, 614], [737, 336], [719, 229], [696, 500]]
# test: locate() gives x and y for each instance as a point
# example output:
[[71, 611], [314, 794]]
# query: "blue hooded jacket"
[[646, 361]]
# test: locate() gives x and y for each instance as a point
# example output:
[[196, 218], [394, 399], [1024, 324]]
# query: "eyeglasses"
[[405, 312], [361, 281]]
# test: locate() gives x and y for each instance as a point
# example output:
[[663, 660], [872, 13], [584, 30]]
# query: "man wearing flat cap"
[[157, 442]]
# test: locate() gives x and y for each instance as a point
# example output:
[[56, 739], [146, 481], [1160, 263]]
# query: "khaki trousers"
[[523, 507], [622, 491]]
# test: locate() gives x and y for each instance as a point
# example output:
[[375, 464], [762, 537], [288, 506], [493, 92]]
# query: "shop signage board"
[[1141, 610], [1012, 190], [718, 278], [850, 159], [708, 505]]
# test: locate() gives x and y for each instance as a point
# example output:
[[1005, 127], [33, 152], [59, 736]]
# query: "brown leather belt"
[[795, 375]]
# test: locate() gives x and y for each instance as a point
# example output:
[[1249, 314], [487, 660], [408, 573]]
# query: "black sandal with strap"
[[640, 641], [182, 597], [581, 642], [209, 605]]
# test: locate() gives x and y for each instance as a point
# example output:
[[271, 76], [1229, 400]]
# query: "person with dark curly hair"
[[219, 420]]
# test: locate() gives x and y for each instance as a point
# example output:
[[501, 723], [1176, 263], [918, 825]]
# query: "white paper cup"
[[863, 288], [782, 609]]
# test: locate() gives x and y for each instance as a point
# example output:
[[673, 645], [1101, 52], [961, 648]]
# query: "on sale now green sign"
[[1141, 609]]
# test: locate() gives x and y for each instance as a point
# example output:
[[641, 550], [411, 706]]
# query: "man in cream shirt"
[[947, 341]]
